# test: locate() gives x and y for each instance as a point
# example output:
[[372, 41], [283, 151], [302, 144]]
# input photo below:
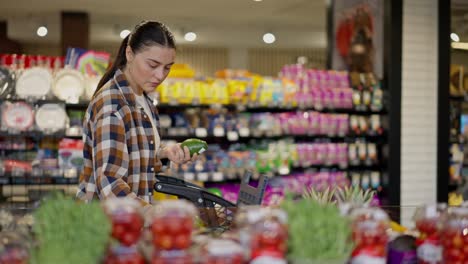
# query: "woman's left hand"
[[176, 154]]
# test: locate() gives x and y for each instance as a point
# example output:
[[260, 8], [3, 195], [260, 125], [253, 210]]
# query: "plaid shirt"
[[119, 150]]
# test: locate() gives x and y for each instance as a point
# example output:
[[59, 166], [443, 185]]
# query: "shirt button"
[[145, 116], [151, 142], [152, 169]]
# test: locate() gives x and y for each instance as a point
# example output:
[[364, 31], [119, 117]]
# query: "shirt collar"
[[124, 86]]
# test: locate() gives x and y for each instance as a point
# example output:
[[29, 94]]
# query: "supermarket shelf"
[[272, 109], [32, 134], [36, 180], [254, 109], [458, 98], [298, 138], [374, 167]]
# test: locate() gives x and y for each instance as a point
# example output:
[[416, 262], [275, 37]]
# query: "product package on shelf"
[[70, 157], [17, 117], [52, 78], [48, 125]]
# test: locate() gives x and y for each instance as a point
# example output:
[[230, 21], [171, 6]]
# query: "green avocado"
[[195, 146]]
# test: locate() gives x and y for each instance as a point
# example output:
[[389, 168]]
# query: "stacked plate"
[[18, 116], [51, 118], [34, 82], [69, 85]]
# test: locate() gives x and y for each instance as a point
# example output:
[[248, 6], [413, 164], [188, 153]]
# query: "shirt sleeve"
[[111, 158]]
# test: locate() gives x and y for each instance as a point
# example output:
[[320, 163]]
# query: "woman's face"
[[149, 67]]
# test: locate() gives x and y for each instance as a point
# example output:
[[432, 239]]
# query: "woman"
[[122, 149]]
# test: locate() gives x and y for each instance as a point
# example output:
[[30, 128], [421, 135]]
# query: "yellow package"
[[186, 92], [221, 94], [179, 70], [266, 92]]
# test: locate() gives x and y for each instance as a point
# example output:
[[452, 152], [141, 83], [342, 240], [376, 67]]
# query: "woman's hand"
[[176, 154]]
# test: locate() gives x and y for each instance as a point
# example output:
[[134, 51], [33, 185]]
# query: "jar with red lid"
[[14, 247], [172, 224], [127, 221], [428, 219], [454, 235], [369, 233], [222, 251], [269, 236]]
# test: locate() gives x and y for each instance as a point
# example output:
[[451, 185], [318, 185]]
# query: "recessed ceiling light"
[[124, 33], [190, 36], [257, 0], [269, 38], [42, 31], [455, 37]]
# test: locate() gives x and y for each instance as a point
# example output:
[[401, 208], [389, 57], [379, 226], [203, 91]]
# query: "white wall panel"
[[419, 106]]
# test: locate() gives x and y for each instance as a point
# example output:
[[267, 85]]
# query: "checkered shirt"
[[119, 148]]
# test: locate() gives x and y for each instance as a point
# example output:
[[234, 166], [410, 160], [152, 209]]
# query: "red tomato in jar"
[[175, 225], [158, 229], [187, 225], [130, 238], [164, 242], [454, 254], [182, 241]]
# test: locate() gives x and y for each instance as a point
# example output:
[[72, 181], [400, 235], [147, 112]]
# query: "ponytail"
[[119, 62]]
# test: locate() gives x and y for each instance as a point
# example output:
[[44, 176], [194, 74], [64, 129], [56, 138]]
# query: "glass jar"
[[265, 232], [172, 224], [369, 233], [428, 219], [127, 221], [454, 235]]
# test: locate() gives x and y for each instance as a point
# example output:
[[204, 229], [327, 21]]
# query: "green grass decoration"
[[70, 232], [317, 231]]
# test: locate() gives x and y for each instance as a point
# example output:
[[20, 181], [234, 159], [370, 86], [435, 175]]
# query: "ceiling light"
[[42, 31], [454, 37], [269, 38], [257, 0], [190, 36], [124, 33]]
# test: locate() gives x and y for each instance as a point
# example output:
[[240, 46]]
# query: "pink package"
[[312, 78], [303, 118], [324, 124], [301, 153], [342, 128], [342, 159], [320, 153], [334, 125], [348, 98], [273, 196], [283, 121], [332, 153], [314, 123], [316, 99]]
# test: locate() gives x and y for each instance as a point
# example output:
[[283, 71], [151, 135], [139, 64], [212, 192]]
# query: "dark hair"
[[147, 33]]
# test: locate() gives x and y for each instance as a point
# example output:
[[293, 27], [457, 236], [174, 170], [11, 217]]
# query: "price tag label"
[[201, 132], [244, 132], [232, 136], [189, 176], [218, 132], [203, 176], [218, 176]]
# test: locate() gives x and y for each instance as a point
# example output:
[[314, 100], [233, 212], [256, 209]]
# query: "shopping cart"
[[215, 211]]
